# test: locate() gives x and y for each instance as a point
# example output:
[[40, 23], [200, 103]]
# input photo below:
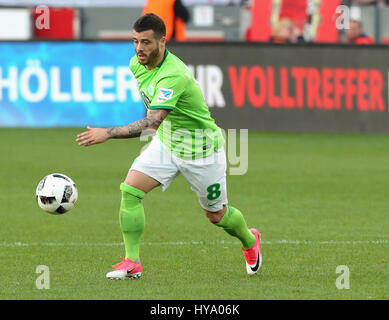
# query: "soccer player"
[[187, 141]]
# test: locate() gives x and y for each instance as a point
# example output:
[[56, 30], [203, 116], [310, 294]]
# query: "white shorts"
[[206, 176]]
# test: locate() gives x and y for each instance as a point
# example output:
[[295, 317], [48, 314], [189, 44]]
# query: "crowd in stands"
[[295, 22]]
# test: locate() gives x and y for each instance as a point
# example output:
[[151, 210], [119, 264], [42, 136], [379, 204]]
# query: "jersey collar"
[[164, 57]]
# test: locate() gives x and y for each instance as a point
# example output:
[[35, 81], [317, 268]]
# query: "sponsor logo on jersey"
[[164, 94]]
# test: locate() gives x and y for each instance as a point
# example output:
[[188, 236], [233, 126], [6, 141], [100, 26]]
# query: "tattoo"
[[156, 117], [152, 121]]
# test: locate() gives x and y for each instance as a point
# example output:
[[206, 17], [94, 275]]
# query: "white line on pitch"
[[193, 242]]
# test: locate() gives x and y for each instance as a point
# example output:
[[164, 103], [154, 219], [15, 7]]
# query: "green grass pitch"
[[320, 201]]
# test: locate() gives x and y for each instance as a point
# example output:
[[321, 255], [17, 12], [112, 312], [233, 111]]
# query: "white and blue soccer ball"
[[56, 193]]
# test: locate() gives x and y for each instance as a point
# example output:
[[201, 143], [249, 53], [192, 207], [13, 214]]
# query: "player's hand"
[[92, 136]]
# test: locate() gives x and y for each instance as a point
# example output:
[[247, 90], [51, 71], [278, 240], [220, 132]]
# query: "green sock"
[[234, 224], [132, 219]]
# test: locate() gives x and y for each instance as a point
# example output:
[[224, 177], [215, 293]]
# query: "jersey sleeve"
[[133, 64], [168, 91]]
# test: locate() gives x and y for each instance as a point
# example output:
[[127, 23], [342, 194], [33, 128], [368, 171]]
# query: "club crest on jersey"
[[150, 89], [164, 94]]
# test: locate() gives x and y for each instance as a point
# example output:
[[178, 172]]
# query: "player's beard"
[[151, 58]]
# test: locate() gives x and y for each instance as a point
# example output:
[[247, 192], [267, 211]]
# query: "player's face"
[[148, 49]]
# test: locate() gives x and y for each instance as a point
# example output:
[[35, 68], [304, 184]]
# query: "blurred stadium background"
[[287, 65]]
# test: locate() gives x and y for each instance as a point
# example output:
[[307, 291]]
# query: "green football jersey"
[[188, 131]]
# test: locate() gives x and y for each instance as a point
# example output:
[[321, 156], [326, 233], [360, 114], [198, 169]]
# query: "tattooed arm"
[[149, 124]]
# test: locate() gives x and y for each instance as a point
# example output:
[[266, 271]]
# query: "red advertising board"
[[298, 88], [316, 88]]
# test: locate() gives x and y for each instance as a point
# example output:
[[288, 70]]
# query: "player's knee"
[[131, 194], [215, 217]]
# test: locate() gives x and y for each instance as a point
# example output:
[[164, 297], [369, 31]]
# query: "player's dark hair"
[[150, 21]]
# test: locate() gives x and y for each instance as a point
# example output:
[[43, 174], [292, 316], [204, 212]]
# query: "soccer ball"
[[56, 193]]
